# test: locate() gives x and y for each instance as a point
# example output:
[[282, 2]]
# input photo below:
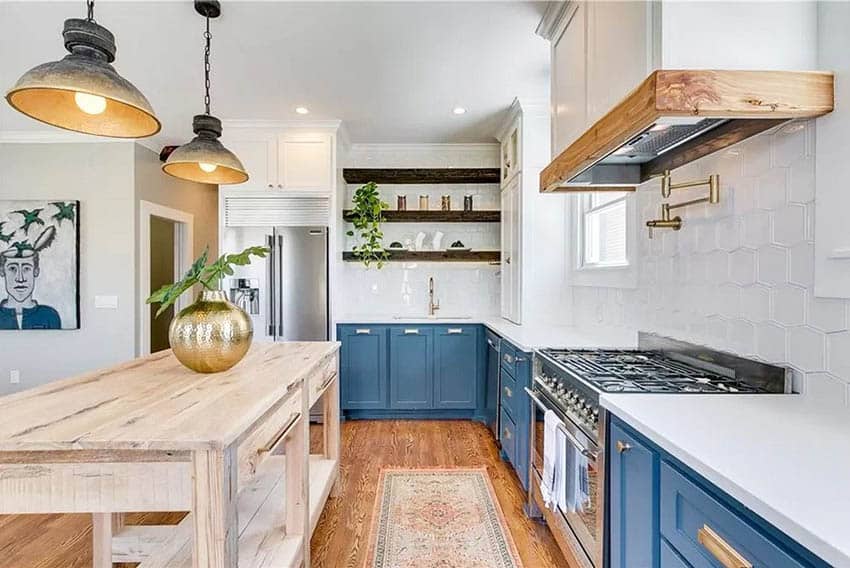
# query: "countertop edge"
[[799, 533]]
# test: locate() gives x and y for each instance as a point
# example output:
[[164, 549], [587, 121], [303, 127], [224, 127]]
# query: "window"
[[602, 218]]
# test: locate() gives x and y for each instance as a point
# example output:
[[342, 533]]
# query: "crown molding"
[[258, 123], [55, 137], [521, 106], [555, 20], [422, 146]]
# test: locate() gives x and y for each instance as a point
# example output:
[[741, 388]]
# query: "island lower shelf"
[[262, 510]]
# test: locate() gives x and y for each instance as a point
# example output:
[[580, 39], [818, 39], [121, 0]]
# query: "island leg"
[[331, 427], [214, 514], [104, 527], [297, 481]]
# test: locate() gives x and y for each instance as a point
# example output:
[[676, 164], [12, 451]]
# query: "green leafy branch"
[[367, 218], [207, 276]]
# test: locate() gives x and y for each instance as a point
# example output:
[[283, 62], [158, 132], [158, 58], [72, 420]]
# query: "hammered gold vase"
[[212, 334]]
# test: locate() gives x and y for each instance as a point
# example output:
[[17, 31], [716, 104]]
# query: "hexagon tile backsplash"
[[739, 275]]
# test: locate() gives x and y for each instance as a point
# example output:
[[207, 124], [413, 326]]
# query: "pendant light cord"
[[207, 37], [90, 8]]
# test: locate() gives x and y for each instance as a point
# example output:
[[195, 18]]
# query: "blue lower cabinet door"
[[411, 367], [706, 533], [670, 558], [633, 538], [363, 367], [507, 437], [456, 368]]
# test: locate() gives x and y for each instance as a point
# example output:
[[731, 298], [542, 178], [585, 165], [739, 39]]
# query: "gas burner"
[[622, 371]]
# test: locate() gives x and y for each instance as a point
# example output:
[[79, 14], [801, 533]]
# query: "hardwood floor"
[[342, 535]]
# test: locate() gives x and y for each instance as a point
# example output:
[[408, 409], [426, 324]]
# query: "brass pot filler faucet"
[[667, 187]]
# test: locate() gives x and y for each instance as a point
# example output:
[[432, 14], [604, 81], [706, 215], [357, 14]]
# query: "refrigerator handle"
[[271, 322], [281, 275]]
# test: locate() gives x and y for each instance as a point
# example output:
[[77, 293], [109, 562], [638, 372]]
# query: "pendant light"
[[204, 159], [83, 92]]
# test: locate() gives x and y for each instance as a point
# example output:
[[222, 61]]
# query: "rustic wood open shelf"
[[435, 256], [394, 216], [421, 175]]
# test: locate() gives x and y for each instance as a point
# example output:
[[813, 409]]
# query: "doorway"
[[165, 255], [163, 270]]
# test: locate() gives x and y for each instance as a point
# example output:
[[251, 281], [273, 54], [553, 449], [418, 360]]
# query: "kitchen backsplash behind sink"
[[739, 275], [401, 289]]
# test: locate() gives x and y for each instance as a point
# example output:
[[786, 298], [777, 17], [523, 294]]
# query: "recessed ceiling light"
[[302, 110], [459, 110]]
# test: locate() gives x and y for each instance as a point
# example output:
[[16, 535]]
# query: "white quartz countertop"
[[782, 456], [526, 337]]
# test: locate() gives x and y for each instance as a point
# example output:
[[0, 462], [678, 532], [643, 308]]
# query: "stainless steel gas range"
[[569, 383]]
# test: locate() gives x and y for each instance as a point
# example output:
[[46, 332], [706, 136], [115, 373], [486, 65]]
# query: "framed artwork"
[[39, 264]]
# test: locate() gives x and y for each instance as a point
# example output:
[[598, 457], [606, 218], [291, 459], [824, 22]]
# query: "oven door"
[[585, 523]]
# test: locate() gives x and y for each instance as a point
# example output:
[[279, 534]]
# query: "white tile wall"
[[739, 275], [463, 289]]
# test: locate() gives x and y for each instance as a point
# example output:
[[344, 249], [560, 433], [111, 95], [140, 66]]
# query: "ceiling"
[[391, 71]]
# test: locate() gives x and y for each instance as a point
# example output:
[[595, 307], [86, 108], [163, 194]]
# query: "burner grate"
[[643, 372]]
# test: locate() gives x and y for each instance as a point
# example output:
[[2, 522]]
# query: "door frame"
[[183, 257]]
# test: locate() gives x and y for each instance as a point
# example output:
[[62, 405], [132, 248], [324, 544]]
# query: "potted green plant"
[[212, 334], [366, 216]]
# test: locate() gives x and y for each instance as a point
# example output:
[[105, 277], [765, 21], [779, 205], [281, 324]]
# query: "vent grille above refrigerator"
[[276, 211]]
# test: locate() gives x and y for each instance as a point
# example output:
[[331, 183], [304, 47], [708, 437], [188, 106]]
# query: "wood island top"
[[154, 403]]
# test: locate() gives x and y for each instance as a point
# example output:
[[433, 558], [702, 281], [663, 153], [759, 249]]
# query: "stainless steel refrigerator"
[[287, 292]]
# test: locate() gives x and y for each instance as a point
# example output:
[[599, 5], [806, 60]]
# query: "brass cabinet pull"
[[509, 392], [720, 549], [411, 331], [328, 381], [284, 432], [623, 446], [455, 331], [507, 434], [362, 331], [508, 358]]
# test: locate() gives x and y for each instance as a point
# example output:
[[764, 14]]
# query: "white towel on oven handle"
[[551, 455]]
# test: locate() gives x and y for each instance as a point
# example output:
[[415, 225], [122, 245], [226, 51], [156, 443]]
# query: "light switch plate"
[[106, 302], [14, 376]]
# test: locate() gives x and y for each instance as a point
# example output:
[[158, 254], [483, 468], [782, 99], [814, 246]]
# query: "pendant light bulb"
[[209, 168], [90, 104]]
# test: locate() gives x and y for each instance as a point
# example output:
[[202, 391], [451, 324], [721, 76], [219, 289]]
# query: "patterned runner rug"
[[439, 518]]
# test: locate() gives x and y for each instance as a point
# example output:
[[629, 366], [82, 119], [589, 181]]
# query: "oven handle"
[[589, 454]]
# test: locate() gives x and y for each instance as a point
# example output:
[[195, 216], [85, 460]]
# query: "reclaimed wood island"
[[232, 449]]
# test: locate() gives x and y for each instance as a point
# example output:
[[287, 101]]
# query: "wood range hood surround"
[[694, 112]]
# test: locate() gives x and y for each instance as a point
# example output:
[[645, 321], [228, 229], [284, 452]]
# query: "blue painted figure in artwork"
[[19, 268]]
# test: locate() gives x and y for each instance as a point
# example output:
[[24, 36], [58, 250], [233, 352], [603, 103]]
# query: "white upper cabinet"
[[258, 152], [511, 154], [293, 159], [305, 161], [511, 252]]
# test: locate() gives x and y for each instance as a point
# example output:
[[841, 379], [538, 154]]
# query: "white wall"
[[739, 275], [100, 176], [402, 288]]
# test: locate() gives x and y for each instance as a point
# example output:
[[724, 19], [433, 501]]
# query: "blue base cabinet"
[[661, 514], [412, 371], [363, 367], [411, 368], [515, 407], [633, 527], [456, 367]]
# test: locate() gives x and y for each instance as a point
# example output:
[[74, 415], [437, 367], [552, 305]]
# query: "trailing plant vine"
[[207, 276], [367, 218]]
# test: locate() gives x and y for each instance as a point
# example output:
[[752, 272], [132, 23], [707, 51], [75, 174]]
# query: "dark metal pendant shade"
[[204, 159], [83, 92]]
